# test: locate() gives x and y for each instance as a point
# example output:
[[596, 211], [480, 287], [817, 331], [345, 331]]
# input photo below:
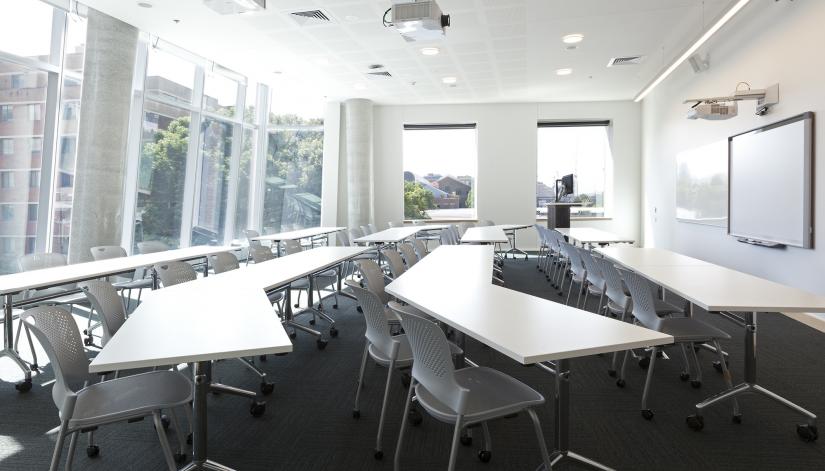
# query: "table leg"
[[8, 344], [200, 461], [155, 281], [205, 266], [515, 250], [807, 431]]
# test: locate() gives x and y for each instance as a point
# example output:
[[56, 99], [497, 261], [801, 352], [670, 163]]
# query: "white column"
[[358, 122]]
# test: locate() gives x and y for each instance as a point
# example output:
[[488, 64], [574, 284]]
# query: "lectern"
[[558, 214]]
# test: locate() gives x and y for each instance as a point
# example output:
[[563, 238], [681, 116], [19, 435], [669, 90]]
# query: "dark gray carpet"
[[308, 423]]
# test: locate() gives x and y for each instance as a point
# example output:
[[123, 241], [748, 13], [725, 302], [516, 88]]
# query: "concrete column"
[[101, 144], [358, 122]]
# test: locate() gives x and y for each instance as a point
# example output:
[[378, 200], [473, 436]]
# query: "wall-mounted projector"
[[725, 107], [419, 20], [713, 111]]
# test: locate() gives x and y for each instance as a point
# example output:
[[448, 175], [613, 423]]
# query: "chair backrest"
[[420, 248], [408, 252], [343, 239], [395, 262], [107, 304], [594, 271], [173, 273], [392, 224], [57, 332], [432, 361], [613, 280], [462, 228], [224, 261], [446, 237], [355, 233], [105, 252], [292, 246], [152, 246], [576, 265], [541, 230], [485, 223], [250, 234], [37, 261], [378, 329], [644, 307], [372, 228], [260, 254], [374, 278], [455, 234], [366, 230]]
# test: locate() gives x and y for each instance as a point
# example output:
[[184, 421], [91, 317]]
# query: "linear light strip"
[[693, 48]]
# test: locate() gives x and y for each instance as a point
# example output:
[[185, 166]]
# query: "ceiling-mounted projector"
[[713, 111], [419, 20], [725, 107]]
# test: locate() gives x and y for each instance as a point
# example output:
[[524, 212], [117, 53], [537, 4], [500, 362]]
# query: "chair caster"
[[415, 417], [695, 422], [321, 343], [647, 414], [23, 387], [405, 380], [684, 376], [696, 384], [180, 458], [262, 358], [189, 439], [293, 334], [378, 454], [358, 308], [611, 373], [296, 305], [88, 341], [335, 306], [807, 432], [312, 322], [267, 388], [257, 408], [34, 367], [333, 332], [717, 365], [485, 456], [737, 418], [164, 420], [356, 414], [620, 383], [644, 363], [92, 451], [466, 440]]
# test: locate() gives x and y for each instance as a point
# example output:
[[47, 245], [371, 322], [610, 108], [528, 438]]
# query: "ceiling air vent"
[[309, 17], [380, 73], [627, 60]]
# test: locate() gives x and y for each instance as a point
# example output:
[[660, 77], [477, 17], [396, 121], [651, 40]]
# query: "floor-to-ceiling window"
[[41, 68]]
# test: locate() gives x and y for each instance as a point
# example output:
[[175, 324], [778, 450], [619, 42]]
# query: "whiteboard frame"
[[808, 179]]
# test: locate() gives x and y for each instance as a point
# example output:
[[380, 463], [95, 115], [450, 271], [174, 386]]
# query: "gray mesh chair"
[[85, 404], [366, 230], [595, 282], [394, 262], [420, 248], [408, 252], [392, 224], [425, 236], [138, 281], [372, 228], [108, 305], [578, 274], [152, 246], [686, 331], [324, 279], [251, 234], [173, 273], [356, 233], [463, 397], [260, 254], [374, 281], [223, 262]]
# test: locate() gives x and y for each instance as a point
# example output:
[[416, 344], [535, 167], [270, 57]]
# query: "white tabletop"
[[17, 282], [588, 235], [391, 235], [634, 257], [484, 235], [300, 233], [513, 227], [526, 328], [432, 227]]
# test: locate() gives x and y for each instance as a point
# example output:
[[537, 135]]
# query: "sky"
[[446, 152], [582, 151]]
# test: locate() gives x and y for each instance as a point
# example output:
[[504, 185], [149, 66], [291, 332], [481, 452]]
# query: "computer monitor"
[[566, 185]]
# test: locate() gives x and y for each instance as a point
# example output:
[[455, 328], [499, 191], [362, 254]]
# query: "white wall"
[[506, 179], [767, 43]]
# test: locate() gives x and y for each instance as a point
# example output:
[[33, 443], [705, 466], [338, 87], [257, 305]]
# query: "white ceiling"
[[499, 50]]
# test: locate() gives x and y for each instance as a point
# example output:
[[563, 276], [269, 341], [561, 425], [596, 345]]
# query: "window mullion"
[[193, 167]]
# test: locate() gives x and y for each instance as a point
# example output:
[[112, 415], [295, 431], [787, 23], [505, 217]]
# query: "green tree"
[[417, 200], [471, 198]]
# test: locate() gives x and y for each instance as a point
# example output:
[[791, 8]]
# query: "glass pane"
[[244, 174], [439, 173], [292, 194], [215, 155], [581, 151], [68, 121], [22, 107], [220, 95], [169, 77], [251, 104], [26, 29], [164, 144]]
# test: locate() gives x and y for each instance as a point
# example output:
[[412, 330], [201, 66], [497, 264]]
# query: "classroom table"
[[393, 235], [484, 235], [728, 292], [589, 236], [308, 233], [528, 329], [510, 230], [17, 283]]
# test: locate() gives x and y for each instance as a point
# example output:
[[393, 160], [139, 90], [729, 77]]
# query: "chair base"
[[206, 465], [558, 456]]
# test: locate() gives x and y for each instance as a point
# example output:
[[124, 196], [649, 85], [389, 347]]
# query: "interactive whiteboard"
[[770, 183]]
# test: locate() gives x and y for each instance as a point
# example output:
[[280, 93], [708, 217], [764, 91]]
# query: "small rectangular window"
[[8, 146], [6, 212], [34, 112], [6, 112], [6, 180], [34, 179], [32, 213]]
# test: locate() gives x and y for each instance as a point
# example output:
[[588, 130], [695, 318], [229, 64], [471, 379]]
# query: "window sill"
[[585, 218], [439, 221]]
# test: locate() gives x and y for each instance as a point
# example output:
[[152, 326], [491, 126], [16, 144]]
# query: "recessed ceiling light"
[[360, 86], [572, 38], [144, 4], [430, 51], [564, 71], [449, 80]]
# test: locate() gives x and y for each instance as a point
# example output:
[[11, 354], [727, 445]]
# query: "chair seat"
[[405, 356], [144, 283], [492, 394], [392, 317], [688, 329], [664, 307], [75, 298], [130, 396], [303, 283], [275, 296]]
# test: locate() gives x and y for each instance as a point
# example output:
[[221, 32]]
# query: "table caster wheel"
[[293, 334], [164, 420], [24, 387], [405, 380], [34, 367], [321, 343], [180, 458], [267, 388], [466, 440], [684, 376], [807, 432], [611, 373], [695, 384], [333, 332], [358, 308], [620, 383], [356, 414], [647, 414], [737, 419], [378, 454], [485, 456], [644, 363], [415, 417], [262, 358], [92, 451], [257, 408], [695, 422]]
